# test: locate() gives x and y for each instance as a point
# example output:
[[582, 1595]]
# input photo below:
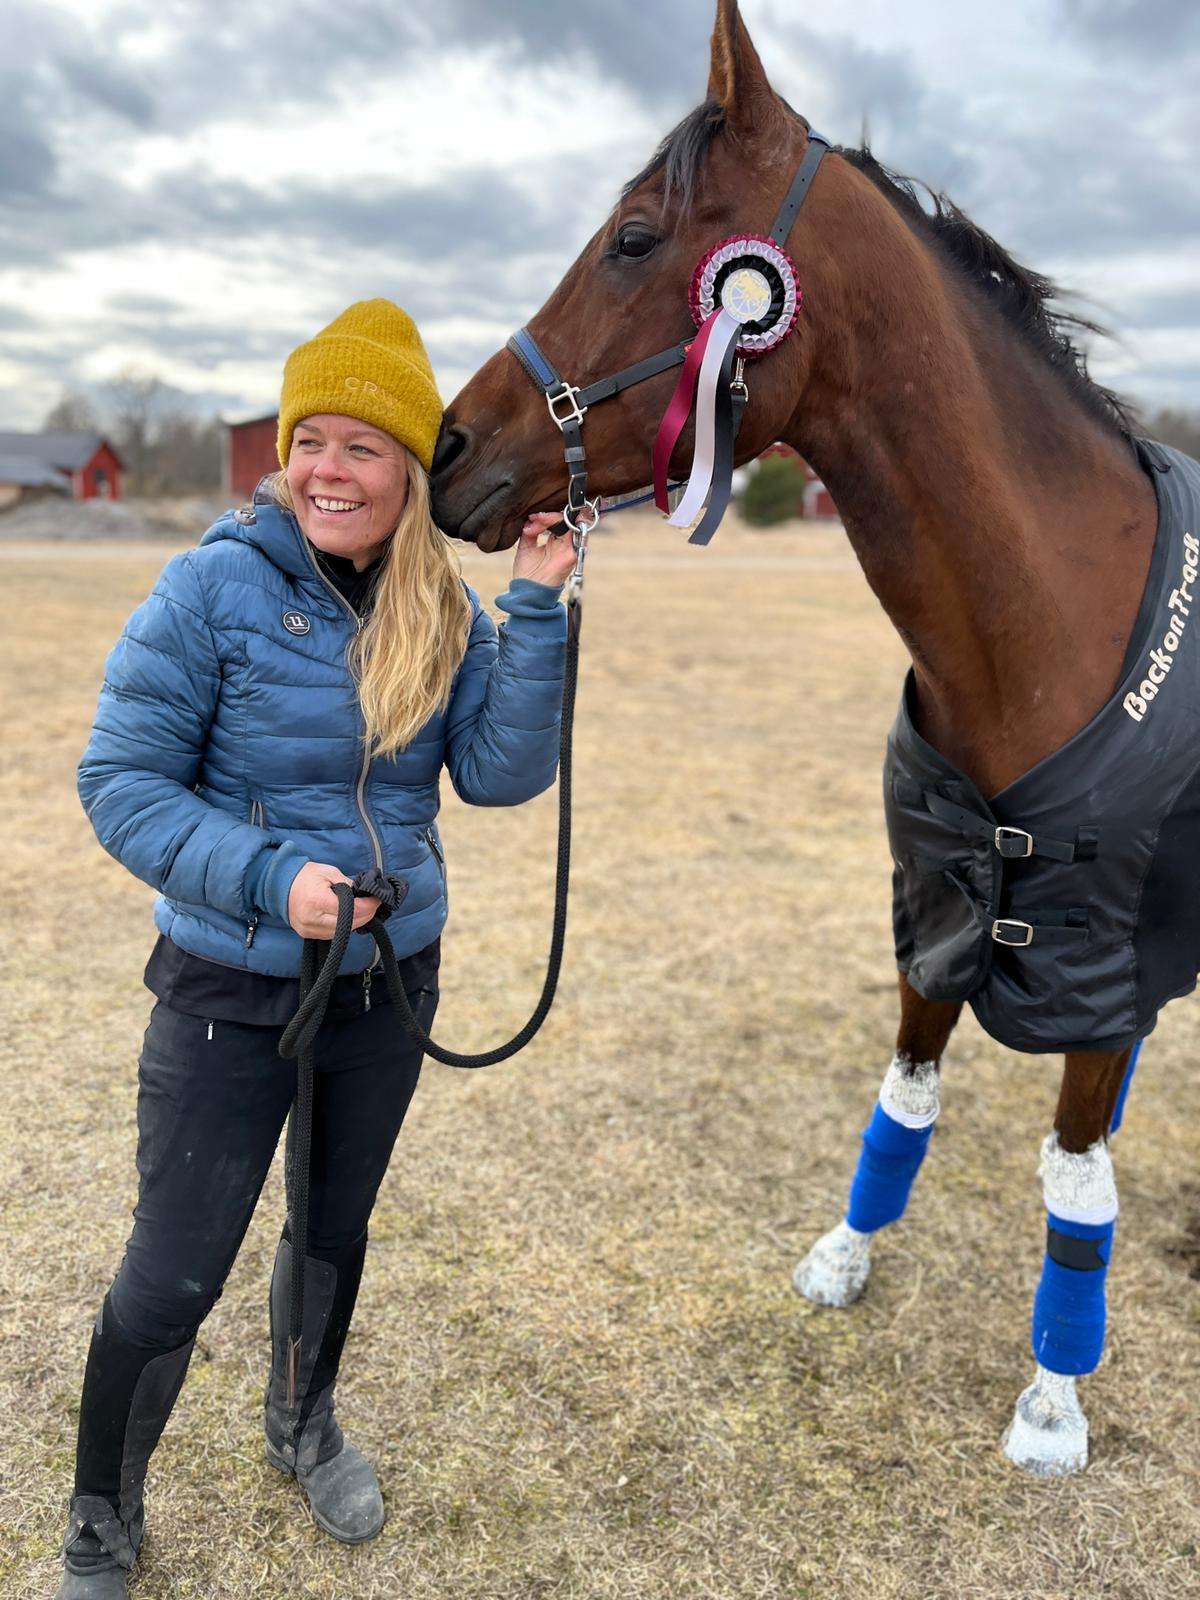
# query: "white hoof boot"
[[836, 1269], [1048, 1435]]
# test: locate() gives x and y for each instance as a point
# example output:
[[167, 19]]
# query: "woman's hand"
[[551, 562], [313, 906]]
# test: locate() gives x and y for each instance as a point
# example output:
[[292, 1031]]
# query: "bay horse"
[[995, 497]]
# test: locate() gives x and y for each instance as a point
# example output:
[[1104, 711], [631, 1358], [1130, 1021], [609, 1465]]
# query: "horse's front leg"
[[835, 1270], [1048, 1435]]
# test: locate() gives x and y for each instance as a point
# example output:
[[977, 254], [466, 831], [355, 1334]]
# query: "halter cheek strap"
[[818, 144], [712, 466]]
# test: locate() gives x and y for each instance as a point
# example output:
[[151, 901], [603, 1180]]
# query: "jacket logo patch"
[[296, 622]]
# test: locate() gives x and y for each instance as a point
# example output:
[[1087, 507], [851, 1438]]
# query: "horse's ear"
[[736, 78]]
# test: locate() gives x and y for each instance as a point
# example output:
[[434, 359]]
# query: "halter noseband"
[[731, 312]]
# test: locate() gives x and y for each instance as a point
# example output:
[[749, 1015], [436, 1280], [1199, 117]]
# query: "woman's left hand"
[[550, 563]]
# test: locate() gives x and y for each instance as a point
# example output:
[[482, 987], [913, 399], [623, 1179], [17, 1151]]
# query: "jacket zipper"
[[258, 819], [360, 791], [432, 841]]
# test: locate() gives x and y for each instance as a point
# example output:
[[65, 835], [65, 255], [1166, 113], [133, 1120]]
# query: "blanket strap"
[[1027, 926], [1010, 842]]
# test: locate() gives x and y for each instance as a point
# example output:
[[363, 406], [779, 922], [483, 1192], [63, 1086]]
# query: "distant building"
[[815, 499], [82, 465], [250, 453], [23, 479]]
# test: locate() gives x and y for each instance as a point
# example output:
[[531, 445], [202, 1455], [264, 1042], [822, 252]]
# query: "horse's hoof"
[[1048, 1435], [835, 1270]]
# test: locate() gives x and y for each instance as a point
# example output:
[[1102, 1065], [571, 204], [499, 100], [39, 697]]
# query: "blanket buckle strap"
[[1013, 843]]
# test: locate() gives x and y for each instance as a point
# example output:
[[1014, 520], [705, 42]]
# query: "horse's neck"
[[1006, 533]]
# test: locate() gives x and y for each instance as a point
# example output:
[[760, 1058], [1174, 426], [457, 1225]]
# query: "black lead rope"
[[318, 973]]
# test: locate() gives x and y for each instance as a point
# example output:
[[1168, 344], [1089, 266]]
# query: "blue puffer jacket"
[[227, 748]]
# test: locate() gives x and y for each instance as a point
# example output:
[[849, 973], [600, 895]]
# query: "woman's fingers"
[[539, 524], [364, 909], [546, 558], [313, 905]]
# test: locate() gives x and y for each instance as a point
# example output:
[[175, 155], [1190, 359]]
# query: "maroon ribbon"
[[676, 415]]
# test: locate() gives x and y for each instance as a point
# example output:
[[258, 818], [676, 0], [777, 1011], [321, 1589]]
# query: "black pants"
[[212, 1101]]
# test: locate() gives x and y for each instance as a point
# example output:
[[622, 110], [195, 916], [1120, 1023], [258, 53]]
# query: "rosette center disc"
[[746, 294]]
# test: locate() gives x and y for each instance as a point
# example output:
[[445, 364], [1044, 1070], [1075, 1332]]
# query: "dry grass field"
[[577, 1362]]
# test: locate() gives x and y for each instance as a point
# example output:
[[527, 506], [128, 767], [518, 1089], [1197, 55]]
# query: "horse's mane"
[[1028, 301]]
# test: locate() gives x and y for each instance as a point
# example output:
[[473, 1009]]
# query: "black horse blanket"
[[1066, 909]]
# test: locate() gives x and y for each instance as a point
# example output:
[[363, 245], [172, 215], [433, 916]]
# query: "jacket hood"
[[270, 528]]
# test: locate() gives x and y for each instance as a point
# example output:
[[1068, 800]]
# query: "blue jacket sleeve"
[[502, 723], [138, 774]]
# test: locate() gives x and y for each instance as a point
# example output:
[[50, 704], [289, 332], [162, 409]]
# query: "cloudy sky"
[[191, 187]]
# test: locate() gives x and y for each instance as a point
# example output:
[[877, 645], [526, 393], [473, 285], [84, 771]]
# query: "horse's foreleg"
[[835, 1270], [1048, 1434]]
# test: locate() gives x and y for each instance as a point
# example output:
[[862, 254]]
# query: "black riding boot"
[[305, 1441], [128, 1393]]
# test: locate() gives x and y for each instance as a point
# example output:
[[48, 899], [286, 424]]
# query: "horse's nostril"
[[452, 443]]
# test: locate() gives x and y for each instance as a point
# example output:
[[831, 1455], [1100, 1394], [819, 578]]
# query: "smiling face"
[[349, 482]]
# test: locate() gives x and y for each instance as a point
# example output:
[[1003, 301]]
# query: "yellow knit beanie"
[[368, 363]]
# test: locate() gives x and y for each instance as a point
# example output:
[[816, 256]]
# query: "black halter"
[[567, 403]]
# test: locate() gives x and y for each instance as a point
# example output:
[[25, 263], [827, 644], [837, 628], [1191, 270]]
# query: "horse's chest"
[[1067, 909]]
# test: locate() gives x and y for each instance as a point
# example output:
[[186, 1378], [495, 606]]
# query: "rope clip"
[[580, 531]]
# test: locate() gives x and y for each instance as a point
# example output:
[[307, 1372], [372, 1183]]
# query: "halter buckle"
[[738, 383], [570, 393]]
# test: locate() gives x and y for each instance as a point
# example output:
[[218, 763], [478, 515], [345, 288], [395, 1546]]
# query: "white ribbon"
[[725, 329]]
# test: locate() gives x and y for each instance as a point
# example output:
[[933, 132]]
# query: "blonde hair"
[[406, 654]]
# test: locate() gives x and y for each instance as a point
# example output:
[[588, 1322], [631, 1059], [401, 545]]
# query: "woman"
[[274, 720]]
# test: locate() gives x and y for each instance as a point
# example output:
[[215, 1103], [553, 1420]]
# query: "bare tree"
[[166, 446], [71, 413], [137, 402], [186, 457]]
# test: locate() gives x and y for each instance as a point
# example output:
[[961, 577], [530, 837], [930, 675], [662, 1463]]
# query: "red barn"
[[816, 501], [85, 461], [250, 453]]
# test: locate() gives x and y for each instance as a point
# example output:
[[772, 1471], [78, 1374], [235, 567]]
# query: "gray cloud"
[[481, 211], [656, 49], [102, 80], [1092, 175], [480, 215], [259, 55], [1160, 29], [145, 305], [27, 161], [1175, 309]]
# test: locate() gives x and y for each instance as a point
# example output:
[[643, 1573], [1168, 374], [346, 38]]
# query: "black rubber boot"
[[306, 1441], [128, 1393]]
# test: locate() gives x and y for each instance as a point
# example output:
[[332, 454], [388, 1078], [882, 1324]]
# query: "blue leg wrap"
[[1119, 1108], [891, 1155], [1069, 1309]]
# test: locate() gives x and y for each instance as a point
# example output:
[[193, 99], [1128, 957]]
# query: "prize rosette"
[[752, 279]]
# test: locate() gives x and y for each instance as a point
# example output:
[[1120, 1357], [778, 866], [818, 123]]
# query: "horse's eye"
[[635, 241]]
